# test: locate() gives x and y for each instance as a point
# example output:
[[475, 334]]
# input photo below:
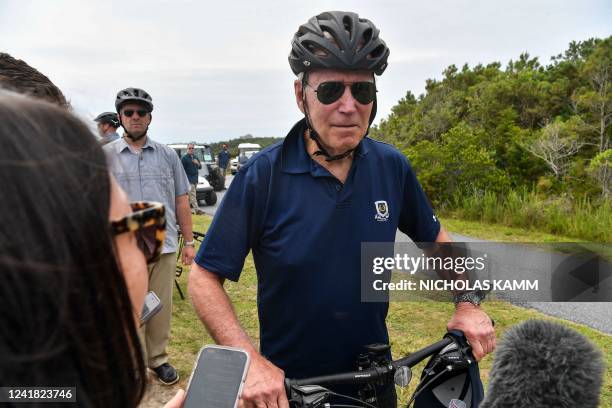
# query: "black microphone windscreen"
[[544, 364]]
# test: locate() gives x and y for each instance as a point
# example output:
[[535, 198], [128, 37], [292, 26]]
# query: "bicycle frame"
[[309, 392], [197, 236]]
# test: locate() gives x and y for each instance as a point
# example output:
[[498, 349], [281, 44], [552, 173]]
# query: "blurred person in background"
[[191, 165], [223, 160], [108, 123], [73, 274]]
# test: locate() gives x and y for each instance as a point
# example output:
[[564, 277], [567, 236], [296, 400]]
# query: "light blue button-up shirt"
[[153, 174]]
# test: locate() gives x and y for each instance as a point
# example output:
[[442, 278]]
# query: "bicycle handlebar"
[[372, 374]]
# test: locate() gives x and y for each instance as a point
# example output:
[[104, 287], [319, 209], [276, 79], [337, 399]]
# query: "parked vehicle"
[[246, 151], [234, 165], [210, 171], [204, 192]]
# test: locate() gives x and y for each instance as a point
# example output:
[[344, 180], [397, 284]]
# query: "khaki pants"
[[156, 332], [223, 171], [193, 200]]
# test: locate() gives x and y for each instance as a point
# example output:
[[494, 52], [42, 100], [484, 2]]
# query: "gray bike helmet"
[[338, 40], [135, 95], [108, 117]]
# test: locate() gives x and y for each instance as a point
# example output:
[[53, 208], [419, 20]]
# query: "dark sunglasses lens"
[[363, 92], [142, 113], [146, 237], [128, 113], [330, 92]]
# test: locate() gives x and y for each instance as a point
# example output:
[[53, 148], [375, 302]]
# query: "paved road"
[[211, 209], [594, 314]]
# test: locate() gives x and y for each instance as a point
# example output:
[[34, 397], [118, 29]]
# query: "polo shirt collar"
[[295, 158]]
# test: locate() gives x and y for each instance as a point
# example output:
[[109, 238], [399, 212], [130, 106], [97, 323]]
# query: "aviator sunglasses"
[[141, 112], [330, 91], [148, 222]]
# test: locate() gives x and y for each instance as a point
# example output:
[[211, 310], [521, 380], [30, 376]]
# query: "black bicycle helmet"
[[135, 95], [451, 378], [108, 117], [338, 40]]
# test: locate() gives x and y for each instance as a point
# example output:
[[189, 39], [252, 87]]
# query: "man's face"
[[102, 127], [342, 124], [190, 149], [135, 124]]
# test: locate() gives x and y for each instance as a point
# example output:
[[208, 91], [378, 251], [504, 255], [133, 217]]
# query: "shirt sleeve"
[[181, 183], [238, 222], [417, 219], [184, 163]]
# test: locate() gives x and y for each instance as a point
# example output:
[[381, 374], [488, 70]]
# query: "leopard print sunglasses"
[[148, 222]]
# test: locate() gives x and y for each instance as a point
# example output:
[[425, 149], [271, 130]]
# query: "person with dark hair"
[[223, 160], [303, 207], [73, 277], [148, 170], [191, 164], [16, 75], [108, 123]]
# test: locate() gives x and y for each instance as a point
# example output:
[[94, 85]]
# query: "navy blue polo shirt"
[[305, 230]]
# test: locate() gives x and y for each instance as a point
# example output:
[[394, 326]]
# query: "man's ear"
[[299, 94]]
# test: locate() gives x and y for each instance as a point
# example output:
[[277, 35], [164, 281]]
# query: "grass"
[[412, 325], [580, 219]]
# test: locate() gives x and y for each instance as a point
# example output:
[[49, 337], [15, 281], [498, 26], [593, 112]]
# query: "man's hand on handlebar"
[[477, 327], [264, 386]]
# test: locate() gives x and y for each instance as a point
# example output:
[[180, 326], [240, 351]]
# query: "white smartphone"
[[217, 377], [151, 306]]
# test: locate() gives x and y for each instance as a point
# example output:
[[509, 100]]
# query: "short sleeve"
[[238, 222], [417, 219]]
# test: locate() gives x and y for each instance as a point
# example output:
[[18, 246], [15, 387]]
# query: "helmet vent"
[[348, 26], [315, 49], [367, 35], [331, 36], [378, 51]]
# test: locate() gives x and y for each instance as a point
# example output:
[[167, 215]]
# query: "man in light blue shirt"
[[151, 171]]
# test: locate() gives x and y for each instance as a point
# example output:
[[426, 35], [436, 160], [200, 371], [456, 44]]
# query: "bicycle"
[[454, 354], [197, 236]]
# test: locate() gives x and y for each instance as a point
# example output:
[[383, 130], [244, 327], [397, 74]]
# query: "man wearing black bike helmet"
[[151, 171], [108, 123], [303, 207]]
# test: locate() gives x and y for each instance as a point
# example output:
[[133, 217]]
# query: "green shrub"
[[584, 219]]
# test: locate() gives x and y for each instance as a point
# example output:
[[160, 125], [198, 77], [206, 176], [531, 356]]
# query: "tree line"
[[490, 129], [232, 144]]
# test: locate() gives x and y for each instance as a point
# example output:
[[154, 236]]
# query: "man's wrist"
[[475, 297], [189, 243]]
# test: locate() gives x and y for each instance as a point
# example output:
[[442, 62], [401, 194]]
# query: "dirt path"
[[158, 395]]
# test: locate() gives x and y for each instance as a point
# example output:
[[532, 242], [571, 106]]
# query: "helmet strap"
[[131, 136], [312, 133]]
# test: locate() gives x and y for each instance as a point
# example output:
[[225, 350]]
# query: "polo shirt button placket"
[[338, 187]]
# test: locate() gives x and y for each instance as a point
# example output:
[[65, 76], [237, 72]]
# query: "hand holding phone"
[[217, 378]]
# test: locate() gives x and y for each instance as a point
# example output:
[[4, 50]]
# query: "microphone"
[[544, 364]]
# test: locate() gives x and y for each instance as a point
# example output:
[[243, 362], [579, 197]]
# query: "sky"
[[219, 70]]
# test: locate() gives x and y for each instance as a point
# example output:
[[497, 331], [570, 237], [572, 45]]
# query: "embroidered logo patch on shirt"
[[382, 211]]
